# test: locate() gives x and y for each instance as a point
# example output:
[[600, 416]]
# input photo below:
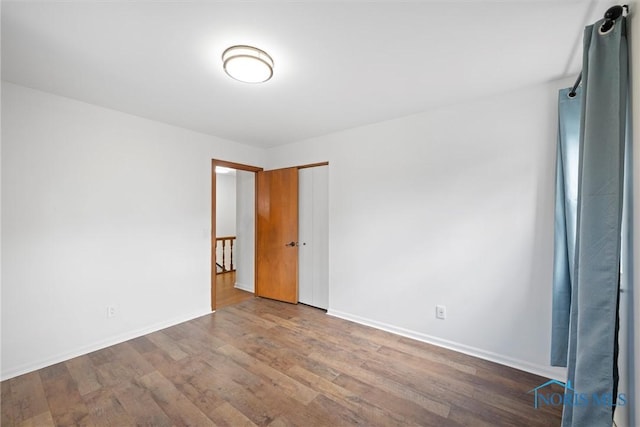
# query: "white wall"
[[225, 205], [99, 208], [225, 217], [453, 206], [246, 223]]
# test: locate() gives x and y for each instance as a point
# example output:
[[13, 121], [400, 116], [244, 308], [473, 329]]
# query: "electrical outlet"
[[441, 312], [111, 311]]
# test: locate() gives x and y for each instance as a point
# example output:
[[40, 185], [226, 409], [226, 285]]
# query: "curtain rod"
[[610, 16]]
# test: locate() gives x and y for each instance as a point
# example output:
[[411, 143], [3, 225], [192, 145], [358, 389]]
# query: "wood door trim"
[[313, 165], [309, 165], [231, 165]]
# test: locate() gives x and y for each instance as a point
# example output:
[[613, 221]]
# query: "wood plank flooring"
[[267, 363], [226, 293]]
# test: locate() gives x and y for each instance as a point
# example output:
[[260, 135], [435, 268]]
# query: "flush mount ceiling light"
[[247, 64]]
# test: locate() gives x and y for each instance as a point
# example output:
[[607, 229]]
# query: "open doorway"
[[269, 259], [232, 237]]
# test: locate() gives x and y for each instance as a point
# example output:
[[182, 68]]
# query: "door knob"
[[292, 244]]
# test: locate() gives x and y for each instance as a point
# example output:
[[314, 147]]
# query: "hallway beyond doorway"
[[226, 293]]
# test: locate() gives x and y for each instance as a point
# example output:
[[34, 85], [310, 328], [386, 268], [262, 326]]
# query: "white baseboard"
[[33, 366], [244, 287], [545, 371]]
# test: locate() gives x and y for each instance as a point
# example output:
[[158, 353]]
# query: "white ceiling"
[[338, 64]]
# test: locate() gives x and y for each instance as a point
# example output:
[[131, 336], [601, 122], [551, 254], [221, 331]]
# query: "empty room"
[[320, 213]]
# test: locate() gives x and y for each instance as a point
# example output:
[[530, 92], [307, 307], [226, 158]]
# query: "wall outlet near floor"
[[441, 312], [111, 311]]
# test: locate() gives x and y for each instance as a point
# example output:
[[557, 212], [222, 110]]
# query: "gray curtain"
[[565, 220], [588, 230]]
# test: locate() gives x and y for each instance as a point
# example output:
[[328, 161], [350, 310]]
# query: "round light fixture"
[[247, 64]]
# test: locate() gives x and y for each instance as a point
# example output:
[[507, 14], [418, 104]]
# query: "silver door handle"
[[292, 244]]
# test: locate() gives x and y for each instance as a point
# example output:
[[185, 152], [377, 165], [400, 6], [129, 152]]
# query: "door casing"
[[231, 165]]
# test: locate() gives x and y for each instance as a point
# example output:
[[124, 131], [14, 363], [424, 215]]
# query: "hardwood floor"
[[226, 293], [267, 363]]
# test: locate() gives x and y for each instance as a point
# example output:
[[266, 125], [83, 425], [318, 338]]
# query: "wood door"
[[277, 235]]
